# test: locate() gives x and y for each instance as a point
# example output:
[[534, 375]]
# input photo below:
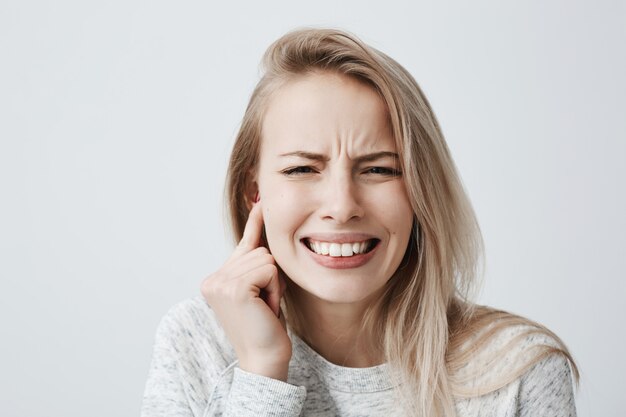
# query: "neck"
[[334, 330]]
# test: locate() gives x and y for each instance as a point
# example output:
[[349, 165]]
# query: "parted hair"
[[429, 329]]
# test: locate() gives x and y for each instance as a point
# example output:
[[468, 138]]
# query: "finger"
[[252, 231], [254, 228], [266, 278], [274, 294], [248, 262], [239, 256]]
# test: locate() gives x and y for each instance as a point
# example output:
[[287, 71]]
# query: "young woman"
[[349, 291]]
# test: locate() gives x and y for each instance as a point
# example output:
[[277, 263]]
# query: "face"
[[329, 183]]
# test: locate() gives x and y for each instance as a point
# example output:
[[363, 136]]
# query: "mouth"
[[348, 249]]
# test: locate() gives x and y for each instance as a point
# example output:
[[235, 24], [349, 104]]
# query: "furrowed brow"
[[376, 156], [363, 158], [307, 155]]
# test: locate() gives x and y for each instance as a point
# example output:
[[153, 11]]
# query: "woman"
[[349, 290]]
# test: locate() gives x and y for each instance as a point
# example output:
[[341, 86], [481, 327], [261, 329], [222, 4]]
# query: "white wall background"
[[117, 119]]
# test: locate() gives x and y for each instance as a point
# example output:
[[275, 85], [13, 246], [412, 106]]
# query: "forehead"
[[326, 113]]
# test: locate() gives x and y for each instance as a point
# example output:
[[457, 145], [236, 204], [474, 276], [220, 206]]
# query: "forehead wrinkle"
[[341, 128], [356, 136], [353, 144]]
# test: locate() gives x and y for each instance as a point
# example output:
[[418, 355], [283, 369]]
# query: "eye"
[[298, 171], [387, 172]]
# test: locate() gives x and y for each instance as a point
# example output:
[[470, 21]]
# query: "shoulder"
[[502, 347], [193, 309], [547, 388], [543, 373]]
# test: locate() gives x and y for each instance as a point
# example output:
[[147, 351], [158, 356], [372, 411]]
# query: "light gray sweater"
[[194, 373]]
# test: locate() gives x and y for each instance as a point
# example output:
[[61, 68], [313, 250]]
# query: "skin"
[[340, 118]]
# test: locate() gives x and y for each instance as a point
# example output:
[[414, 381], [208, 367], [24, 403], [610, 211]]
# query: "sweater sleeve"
[[190, 375], [547, 390], [254, 395]]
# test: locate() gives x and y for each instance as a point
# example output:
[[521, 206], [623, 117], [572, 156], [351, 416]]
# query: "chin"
[[336, 293]]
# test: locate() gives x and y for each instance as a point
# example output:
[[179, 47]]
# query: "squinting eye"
[[297, 170], [390, 172]]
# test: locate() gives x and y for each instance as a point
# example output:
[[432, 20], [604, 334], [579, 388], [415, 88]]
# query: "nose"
[[341, 202]]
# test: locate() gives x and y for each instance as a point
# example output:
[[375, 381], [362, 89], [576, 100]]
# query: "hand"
[[237, 292]]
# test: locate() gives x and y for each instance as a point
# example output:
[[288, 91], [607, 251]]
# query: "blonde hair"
[[429, 329]]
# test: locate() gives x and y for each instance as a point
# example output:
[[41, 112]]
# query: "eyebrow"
[[363, 158]]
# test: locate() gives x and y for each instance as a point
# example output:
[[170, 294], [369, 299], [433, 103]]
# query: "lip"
[[341, 262]]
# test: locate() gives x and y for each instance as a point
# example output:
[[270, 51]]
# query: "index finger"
[[252, 232]]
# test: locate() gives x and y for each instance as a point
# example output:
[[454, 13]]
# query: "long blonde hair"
[[429, 329]]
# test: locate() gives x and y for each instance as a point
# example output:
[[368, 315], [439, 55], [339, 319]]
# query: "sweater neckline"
[[341, 378]]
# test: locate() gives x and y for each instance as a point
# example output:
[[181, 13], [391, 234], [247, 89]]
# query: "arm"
[[546, 390], [189, 376], [253, 395]]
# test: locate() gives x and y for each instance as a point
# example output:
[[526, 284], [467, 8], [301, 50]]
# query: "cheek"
[[397, 211], [283, 212]]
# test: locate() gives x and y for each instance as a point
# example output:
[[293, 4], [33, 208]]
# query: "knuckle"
[[212, 284], [270, 269], [222, 291], [261, 250]]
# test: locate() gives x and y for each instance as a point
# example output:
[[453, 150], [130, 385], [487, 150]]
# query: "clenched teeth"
[[340, 249]]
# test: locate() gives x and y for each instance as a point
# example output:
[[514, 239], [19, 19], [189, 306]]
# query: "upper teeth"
[[338, 249]]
